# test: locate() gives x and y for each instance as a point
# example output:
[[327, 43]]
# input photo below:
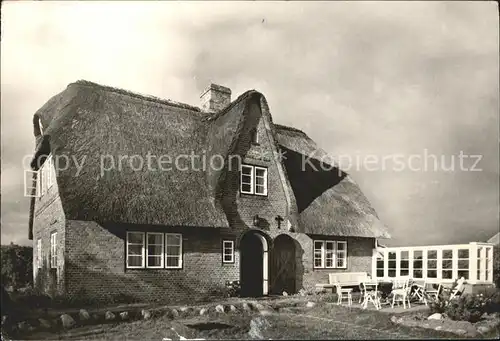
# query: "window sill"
[[253, 196]]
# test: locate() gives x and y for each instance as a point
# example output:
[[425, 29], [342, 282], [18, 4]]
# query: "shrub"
[[493, 303], [439, 304], [496, 266], [467, 308], [17, 266]]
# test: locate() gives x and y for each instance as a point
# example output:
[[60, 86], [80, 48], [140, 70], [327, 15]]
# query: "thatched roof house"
[[92, 126]]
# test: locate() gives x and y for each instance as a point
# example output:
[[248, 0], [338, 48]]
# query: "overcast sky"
[[360, 78]]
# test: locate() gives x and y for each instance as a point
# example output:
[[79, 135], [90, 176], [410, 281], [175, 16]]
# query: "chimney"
[[215, 98]]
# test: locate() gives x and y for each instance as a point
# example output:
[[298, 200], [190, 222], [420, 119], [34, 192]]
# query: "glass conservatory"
[[435, 263]]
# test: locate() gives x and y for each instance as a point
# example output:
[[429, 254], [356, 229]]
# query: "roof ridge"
[[241, 97], [283, 127], [150, 98]]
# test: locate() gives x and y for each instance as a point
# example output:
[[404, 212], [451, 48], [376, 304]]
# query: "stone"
[[232, 308], [219, 308], [124, 315], [184, 309], [246, 307], [109, 316], [257, 326], [460, 332], [84, 315], [259, 306], [394, 319], [285, 293], [175, 313], [436, 316], [44, 324], [438, 328], [179, 331], [265, 312], [310, 304], [67, 321], [146, 314], [203, 311], [484, 329]]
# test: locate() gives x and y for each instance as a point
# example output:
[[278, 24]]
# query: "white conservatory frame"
[[479, 270]]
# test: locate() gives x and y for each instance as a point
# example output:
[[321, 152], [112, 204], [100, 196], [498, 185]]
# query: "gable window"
[[174, 251], [228, 251], [47, 175], [53, 250], [253, 180], [260, 181], [39, 253], [135, 249], [246, 181], [254, 137], [329, 254], [154, 250]]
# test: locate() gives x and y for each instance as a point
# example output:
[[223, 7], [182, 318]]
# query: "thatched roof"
[[327, 198], [88, 120]]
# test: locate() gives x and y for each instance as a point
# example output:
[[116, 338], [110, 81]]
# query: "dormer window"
[[254, 137]]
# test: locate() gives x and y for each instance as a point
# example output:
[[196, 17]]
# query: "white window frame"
[[39, 258], [337, 252], [32, 180], [49, 167], [53, 250], [180, 255], [253, 179], [143, 258], [332, 255], [252, 171], [225, 247], [265, 180], [162, 253]]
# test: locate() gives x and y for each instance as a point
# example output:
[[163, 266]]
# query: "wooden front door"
[[283, 274]]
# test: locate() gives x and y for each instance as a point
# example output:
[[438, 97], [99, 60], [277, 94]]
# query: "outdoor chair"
[[459, 289], [433, 293], [402, 294], [344, 293], [419, 292], [370, 294]]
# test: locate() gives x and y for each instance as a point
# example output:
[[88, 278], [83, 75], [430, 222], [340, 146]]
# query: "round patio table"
[[385, 289]]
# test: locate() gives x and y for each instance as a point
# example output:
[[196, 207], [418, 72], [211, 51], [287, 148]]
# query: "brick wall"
[[95, 264], [48, 218], [242, 207]]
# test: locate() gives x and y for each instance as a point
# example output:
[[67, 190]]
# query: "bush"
[[493, 303], [17, 266], [496, 266], [467, 308], [439, 304]]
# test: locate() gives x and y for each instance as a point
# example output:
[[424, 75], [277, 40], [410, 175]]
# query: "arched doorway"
[[253, 265], [283, 265]]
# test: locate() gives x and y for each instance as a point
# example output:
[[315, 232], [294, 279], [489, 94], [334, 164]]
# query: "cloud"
[[359, 77]]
